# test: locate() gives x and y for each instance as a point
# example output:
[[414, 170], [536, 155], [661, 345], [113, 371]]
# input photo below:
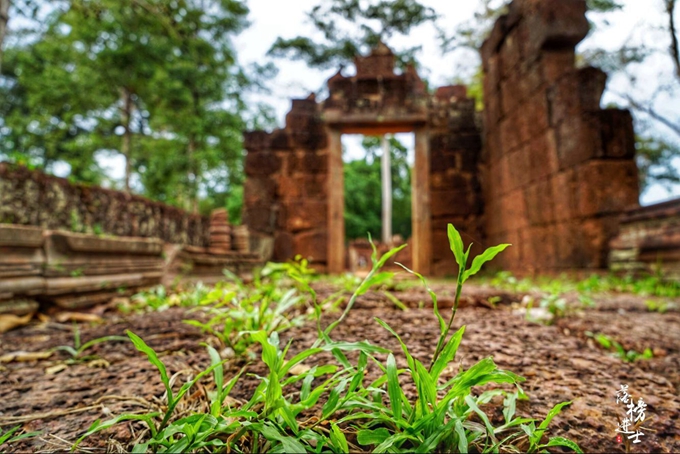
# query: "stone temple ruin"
[[542, 167], [545, 168]]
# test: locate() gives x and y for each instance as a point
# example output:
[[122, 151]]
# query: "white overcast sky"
[[287, 18]]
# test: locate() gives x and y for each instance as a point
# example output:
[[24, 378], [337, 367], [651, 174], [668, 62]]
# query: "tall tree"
[[352, 27], [4, 19], [200, 74], [155, 81]]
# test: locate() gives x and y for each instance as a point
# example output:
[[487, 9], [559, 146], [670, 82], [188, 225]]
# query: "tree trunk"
[[4, 19], [126, 148], [193, 174], [675, 46], [386, 176]]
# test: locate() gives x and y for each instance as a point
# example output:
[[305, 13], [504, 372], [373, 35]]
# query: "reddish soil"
[[560, 363]]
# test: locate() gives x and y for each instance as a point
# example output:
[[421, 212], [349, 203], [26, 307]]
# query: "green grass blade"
[[560, 441], [6, 436], [338, 438], [218, 374], [470, 401], [153, 359], [389, 254], [98, 425], [462, 436], [448, 354], [368, 437], [99, 340], [393, 387], [427, 389], [433, 297], [549, 417]]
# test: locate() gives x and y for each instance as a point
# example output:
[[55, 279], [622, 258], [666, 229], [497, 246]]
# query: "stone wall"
[[558, 171], [285, 197], [30, 197], [649, 241], [455, 193]]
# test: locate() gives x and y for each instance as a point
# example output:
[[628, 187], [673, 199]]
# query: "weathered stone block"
[[312, 245], [520, 168], [514, 210], [309, 162], [453, 203], [259, 191], [557, 64], [539, 203], [256, 141], [306, 214], [509, 134], [262, 164], [543, 155], [564, 191], [607, 187], [617, 134], [284, 248], [577, 141], [555, 24], [261, 218]]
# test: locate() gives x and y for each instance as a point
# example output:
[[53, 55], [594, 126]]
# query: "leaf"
[[153, 359], [462, 438], [433, 297], [6, 436], [456, 245], [99, 340], [393, 387], [448, 354], [218, 374], [389, 254], [489, 427], [427, 388], [549, 417], [560, 441], [374, 281], [338, 438], [289, 444], [482, 258], [98, 426], [367, 437]]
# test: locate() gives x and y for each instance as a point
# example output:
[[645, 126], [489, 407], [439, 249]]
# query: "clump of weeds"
[[350, 413]]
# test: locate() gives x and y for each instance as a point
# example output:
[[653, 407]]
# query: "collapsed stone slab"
[[649, 241], [191, 264], [21, 264], [80, 265]]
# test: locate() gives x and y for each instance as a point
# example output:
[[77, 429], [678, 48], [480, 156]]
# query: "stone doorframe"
[[421, 239]]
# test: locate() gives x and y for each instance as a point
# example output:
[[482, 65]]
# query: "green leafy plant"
[[628, 356], [77, 351], [237, 309], [9, 437], [659, 306], [163, 434], [444, 415]]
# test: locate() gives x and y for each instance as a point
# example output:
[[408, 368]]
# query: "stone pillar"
[[336, 204], [420, 202]]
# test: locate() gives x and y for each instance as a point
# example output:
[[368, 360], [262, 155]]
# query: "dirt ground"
[[560, 363]]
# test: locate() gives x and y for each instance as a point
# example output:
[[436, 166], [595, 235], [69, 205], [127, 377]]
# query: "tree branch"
[[670, 124], [675, 46]]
